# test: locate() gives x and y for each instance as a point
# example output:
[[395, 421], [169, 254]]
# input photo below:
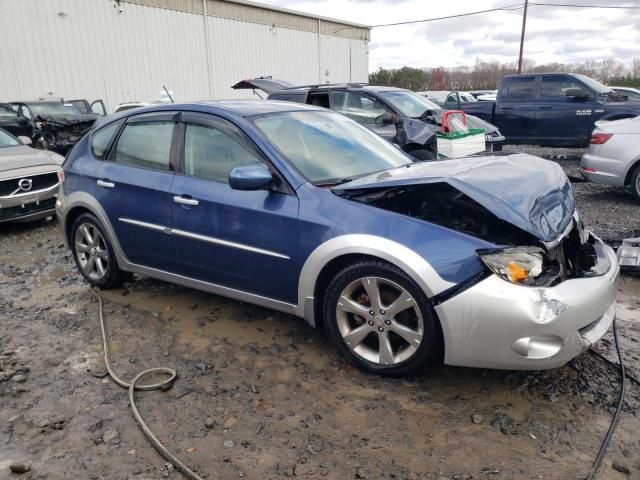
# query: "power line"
[[508, 7], [514, 7], [574, 5]]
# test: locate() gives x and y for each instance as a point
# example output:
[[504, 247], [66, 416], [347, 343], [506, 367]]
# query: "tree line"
[[485, 75]]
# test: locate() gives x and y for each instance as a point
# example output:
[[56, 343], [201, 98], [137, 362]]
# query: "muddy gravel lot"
[[261, 395]]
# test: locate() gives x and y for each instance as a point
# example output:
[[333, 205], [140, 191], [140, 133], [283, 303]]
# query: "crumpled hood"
[[531, 193], [22, 157], [66, 120]]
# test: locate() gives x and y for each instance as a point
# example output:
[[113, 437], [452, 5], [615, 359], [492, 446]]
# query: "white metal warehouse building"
[[122, 51]]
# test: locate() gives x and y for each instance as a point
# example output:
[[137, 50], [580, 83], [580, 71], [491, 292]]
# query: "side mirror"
[[386, 118], [576, 93], [250, 177], [25, 140]]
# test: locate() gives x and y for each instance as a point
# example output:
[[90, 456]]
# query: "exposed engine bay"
[[60, 133], [573, 255]]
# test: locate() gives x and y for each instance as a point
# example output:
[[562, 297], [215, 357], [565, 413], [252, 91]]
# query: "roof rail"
[[320, 85]]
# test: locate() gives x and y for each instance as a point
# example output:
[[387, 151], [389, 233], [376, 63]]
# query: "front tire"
[[381, 320], [635, 183], [93, 254]]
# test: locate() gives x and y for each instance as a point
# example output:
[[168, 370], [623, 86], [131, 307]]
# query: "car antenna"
[[168, 94]]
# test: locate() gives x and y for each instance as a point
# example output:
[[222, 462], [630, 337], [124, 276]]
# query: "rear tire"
[[94, 254], [635, 183], [381, 320]]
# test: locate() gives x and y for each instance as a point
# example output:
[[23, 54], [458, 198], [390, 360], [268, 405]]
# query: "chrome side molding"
[[202, 238]]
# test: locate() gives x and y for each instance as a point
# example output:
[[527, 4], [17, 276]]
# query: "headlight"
[[519, 265]]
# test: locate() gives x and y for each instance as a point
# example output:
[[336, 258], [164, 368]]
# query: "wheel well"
[[627, 180], [71, 217], [331, 269], [326, 274]]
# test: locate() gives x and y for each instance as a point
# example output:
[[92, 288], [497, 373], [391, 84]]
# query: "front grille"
[[18, 212], [38, 182]]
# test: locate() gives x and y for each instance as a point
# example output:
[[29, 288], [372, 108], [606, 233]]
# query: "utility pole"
[[524, 25]]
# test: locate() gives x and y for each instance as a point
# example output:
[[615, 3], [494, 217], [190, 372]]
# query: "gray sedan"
[[29, 180], [613, 156]]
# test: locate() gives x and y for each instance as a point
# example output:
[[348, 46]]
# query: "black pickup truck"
[[551, 109]]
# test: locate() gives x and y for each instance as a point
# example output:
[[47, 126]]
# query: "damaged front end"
[[521, 204], [61, 133]]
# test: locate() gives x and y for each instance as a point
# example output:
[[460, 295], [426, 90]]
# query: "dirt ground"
[[261, 395]]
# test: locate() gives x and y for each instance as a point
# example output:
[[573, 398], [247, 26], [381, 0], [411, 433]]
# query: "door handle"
[[184, 200], [105, 183], [545, 107]]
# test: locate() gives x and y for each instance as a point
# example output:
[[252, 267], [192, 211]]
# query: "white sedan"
[[613, 156]]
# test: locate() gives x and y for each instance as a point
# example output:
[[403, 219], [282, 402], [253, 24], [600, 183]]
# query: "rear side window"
[[211, 153], [145, 145], [521, 89], [289, 97], [102, 139]]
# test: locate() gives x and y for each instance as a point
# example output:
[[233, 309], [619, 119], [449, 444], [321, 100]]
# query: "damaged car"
[[16, 125], [400, 116], [481, 261], [29, 180], [56, 125]]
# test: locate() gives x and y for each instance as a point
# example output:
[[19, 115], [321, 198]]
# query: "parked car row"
[[50, 124], [479, 262]]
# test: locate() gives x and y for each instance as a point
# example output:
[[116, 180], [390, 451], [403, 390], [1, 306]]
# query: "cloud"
[[554, 34]]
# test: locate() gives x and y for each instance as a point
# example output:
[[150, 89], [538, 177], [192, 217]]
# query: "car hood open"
[[528, 192], [67, 120]]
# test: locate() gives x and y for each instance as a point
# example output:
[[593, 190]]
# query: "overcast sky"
[[554, 34]]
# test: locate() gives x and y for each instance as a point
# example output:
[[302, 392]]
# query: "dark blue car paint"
[[526, 191], [552, 121], [289, 223]]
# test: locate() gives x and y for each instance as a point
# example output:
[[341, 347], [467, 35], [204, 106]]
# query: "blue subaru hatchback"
[[480, 262]]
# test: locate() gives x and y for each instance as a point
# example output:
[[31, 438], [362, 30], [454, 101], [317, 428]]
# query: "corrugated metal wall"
[[90, 49]]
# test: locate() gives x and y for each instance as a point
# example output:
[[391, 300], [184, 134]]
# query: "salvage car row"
[[480, 261], [385, 251]]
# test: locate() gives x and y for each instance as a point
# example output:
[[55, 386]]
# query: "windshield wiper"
[[332, 183]]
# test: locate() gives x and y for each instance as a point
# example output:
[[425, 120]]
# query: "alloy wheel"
[[91, 250], [379, 321]]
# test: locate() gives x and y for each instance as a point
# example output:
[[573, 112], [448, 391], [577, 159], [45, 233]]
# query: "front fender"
[[402, 257]]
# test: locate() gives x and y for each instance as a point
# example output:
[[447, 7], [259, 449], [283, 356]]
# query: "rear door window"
[[146, 145], [522, 88]]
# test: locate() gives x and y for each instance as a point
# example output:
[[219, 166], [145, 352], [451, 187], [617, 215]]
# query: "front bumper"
[[497, 324], [28, 206], [608, 171]]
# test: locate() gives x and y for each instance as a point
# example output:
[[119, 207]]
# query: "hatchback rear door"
[[244, 240], [134, 187]]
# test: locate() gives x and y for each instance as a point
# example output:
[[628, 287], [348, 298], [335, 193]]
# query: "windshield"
[[328, 148], [594, 84], [53, 109], [7, 140], [409, 104]]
